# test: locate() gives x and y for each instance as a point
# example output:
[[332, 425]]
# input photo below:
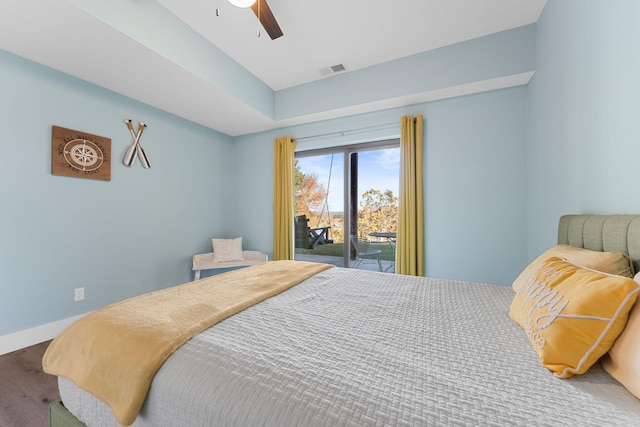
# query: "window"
[[348, 191]]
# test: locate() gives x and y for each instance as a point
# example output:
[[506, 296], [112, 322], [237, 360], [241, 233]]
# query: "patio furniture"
[[364, 252], [391, 237], [309, 238]]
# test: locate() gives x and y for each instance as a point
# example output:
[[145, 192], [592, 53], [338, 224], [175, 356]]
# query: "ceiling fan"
[[264, 14]]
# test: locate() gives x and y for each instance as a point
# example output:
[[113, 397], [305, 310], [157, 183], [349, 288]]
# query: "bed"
[[350, 348]]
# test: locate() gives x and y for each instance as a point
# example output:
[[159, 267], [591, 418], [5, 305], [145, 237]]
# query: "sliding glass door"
[[319, 194], [346, 205]]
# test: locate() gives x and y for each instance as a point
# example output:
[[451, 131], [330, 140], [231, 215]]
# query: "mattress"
[[352, 348]]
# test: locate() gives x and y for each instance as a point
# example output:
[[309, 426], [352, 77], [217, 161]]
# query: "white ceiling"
[[317, 35]]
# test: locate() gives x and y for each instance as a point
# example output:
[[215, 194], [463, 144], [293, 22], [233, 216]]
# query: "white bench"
[[206, 262]]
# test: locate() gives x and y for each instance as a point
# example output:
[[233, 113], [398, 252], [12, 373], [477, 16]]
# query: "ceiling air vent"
[[332, 70]]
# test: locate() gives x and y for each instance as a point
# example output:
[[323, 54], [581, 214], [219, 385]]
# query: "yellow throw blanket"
[[115, 352]]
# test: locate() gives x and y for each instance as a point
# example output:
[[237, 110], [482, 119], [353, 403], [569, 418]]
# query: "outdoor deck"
[[371, 265]]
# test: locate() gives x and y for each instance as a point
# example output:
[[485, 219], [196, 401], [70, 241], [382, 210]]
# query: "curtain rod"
[[351, 131]]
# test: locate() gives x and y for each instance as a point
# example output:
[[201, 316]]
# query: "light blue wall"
[[475, 181], [475, 190], [584, 104], [133, 234], [503, 54]]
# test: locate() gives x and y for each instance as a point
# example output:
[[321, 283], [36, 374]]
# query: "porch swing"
[[310, 237]]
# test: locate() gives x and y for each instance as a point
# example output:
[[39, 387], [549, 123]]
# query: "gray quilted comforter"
[[358, 348]]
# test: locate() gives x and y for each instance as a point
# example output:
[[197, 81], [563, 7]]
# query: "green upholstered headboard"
[[604, 233]]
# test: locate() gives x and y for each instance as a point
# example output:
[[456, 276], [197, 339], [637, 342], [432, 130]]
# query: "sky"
[[378, 169]]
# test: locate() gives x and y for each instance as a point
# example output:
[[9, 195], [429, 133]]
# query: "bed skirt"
[[59, 416]]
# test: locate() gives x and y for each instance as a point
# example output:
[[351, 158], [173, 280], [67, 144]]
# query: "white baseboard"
[[28, 337]]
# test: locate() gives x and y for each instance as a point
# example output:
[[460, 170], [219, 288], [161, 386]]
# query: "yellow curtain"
[[410, 242], [283, 207]]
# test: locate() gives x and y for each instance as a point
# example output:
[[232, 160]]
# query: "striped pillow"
[[607, 262]]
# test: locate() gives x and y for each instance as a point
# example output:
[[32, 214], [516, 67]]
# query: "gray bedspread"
[[358, 348]]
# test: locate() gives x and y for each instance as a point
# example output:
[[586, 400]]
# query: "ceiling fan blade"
[[267, 19]]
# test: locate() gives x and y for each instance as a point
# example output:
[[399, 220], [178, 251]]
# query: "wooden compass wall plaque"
[[80, 154]]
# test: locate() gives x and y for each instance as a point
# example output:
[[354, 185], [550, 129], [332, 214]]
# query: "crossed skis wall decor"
[[135, 149]]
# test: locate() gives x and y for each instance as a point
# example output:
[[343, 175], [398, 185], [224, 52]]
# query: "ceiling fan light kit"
[[263, 12], [242, 3]]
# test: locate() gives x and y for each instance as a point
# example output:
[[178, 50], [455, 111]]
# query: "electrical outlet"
[[78, 294]]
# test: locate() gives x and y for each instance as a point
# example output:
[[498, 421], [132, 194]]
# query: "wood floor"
[[25, 390]]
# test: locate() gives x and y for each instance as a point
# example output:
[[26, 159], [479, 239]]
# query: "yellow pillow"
[[572, 315], [623, 360], [607, 262]]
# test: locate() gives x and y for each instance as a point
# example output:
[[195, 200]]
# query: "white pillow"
[[227, 250]]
